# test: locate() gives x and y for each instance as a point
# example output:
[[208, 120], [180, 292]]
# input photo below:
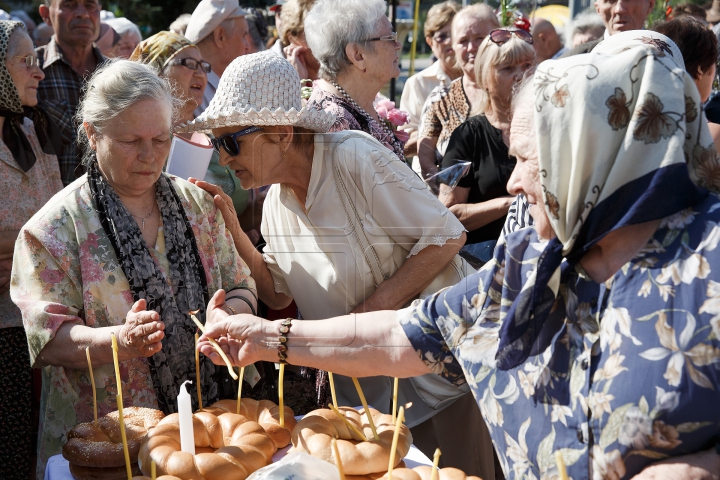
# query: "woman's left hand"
[[697, 466], [294, 55]]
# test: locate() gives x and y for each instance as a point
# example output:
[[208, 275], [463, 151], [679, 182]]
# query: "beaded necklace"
[[393, 139]]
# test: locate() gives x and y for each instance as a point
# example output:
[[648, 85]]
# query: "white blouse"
[[312, 252], [315, 257]]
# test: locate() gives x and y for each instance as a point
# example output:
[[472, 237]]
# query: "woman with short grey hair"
[[358, 54], [127, 250]]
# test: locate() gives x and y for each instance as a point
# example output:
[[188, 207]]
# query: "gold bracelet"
[[282, 346], [232, 310]]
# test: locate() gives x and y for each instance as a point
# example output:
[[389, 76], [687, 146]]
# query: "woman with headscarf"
[[29, 176], [180, 61], [594, 338], [125, 249]]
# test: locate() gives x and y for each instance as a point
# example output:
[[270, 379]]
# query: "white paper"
[[190, 158]]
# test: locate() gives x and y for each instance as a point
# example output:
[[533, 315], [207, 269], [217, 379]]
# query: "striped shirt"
[[59, 94], [518, 217]]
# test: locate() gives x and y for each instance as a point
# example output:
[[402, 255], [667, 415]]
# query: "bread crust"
[[227, 445], [314, 433]]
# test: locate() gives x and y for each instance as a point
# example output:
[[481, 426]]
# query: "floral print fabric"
[[626, 372], [66, 271]]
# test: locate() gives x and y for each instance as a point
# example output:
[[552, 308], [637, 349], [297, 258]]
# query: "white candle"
[[187, 437]]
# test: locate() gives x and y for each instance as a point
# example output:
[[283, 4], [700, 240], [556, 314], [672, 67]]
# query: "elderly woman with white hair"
[[124, 250], [358, 53], [591, 342], [349, 229]]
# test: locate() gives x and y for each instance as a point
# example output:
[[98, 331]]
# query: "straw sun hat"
[[259, 89]]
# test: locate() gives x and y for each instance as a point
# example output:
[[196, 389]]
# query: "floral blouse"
[[66, 271], [24, 193], [626, 373], [347, 117]]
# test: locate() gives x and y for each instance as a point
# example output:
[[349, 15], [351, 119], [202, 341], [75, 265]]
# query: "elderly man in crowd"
[[220, 31], [618, 16], [67, 60], [546, 41]]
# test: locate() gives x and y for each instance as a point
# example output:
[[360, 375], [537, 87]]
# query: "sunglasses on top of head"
[[500, 36], [229, 141]]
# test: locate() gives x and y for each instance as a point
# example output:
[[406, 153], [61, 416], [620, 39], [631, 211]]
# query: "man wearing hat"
[[220, 31]]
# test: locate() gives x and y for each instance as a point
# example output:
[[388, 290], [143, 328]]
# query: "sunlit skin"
[[190, 83], [26, 79], [77, 22], [624, 15], [704, 82], [383, 61], [133, 148], [504, 79], [467, 35], [126, 45], [443, 50]]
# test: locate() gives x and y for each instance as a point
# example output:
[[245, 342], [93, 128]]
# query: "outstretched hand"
[[142, 333], [224, 203], [238, 336]]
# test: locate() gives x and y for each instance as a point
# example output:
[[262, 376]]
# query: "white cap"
[[208, 15]]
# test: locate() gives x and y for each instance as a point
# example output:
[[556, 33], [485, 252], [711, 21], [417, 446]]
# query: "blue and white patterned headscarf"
[[622, 140]]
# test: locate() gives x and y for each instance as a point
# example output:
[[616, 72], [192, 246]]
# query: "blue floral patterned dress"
[[627, 371]]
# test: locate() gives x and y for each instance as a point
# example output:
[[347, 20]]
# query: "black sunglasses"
[[229, 141], [193, 64], [500, 36]]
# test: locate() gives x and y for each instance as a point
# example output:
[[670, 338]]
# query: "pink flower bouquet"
[[393, 118]]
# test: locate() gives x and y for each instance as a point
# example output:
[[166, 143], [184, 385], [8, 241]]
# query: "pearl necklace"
[[384, 126]]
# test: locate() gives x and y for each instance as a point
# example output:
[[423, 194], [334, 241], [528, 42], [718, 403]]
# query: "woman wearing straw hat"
[[340, 204]]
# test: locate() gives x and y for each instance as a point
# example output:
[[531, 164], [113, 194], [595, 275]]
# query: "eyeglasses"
[[193, 64], [441, 37], [387, 38], [30, 60], [500, 36], [229, 141]]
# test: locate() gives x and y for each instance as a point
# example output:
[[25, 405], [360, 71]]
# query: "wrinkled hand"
[[294, 54], [215, 312], [224, 203], [236, 335], [142, 333], [697, 466], [5, 270]]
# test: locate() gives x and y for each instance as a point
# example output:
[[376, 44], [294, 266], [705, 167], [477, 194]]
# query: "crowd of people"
[[590, 332]]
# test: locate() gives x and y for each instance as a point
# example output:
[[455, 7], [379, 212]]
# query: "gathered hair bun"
[[314, 433]]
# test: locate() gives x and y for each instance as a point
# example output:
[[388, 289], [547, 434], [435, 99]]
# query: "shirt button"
[[585, 364], [580, 436]]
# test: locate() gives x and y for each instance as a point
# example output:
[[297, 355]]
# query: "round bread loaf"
[[314, 433], [162, 477], [425, 472], [264, 412], [100, 445], [227, 447]]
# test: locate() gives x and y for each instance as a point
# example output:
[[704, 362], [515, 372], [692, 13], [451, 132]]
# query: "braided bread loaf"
[[227, 446], [100, 446], [264, 412], [314, 433], [425, 472]]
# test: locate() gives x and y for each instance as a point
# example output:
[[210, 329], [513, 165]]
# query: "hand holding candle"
[[215, 345]]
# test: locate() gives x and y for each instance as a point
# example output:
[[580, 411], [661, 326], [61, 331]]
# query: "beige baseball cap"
[[208, 15]]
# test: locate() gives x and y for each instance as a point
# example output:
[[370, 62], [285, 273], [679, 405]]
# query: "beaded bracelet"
[[282, 346]]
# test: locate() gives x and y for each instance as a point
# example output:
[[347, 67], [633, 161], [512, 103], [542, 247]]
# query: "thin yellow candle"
[[395, 395], [338, 462], [332, 389], [348, 424], [240, 380], [561, 465], [92, 382], [367, 410], [197, 373], [118, 399], [436, 462], [215, 346], [153, 470], [280, 394], [396, 436]]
